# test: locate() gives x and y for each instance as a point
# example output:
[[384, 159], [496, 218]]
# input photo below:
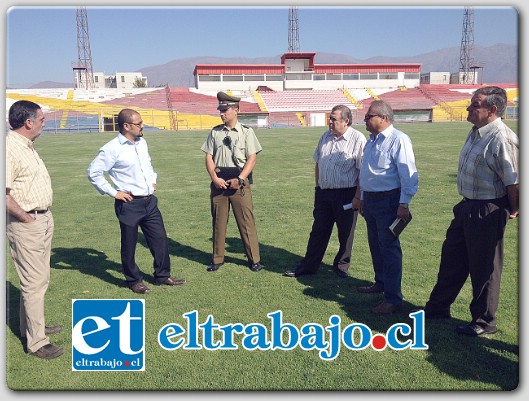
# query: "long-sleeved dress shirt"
[[389, 163], [129, 166]]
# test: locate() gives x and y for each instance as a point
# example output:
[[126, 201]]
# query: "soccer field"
[[86, 265]]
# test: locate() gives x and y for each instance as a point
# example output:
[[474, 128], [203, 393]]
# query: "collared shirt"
[[488, 162], [242, 141], [128, 164], [389, 163], [339, 159], [26, 175]]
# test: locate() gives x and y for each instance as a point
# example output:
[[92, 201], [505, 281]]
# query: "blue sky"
[[41, 42]]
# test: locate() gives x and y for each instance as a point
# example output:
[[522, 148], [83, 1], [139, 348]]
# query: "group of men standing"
[[376, 177]]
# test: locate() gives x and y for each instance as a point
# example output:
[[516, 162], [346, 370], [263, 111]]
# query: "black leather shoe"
[[373, 289], [52, 330], [214, 267], [172, 281], [140, 288], [474, 330], [255, 267], [296, 273], [48, 351]]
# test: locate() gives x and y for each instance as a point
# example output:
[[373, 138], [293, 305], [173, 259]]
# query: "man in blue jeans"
[[388, 181]]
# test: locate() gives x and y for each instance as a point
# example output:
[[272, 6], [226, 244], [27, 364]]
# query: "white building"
[[121, 80], [298, 71]]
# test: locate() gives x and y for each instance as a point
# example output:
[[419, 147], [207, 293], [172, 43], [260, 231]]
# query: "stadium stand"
[[164, 108], [300, 100]]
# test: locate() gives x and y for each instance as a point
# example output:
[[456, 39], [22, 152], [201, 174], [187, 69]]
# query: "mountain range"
[[499, 64]]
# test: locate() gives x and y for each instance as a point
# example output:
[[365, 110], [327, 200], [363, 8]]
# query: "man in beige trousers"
[[30, 224]]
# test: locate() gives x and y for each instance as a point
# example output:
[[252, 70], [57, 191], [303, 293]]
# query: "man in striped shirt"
[[338, 158], [30, 224], [487, 180]]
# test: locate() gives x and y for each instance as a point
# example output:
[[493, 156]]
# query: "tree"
[[139, 83]]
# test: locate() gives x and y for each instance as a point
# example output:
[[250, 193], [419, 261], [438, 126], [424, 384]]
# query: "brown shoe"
[[52, 330], [385, 308], [373, 289], [48, 351], [140, 288], [172, 281]]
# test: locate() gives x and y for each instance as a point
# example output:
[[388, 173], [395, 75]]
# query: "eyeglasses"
[[334, 119], [136, 124], [370, 116], [227, 141]]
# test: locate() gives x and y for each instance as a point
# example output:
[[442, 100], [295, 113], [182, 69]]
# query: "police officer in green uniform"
[[231, 152]]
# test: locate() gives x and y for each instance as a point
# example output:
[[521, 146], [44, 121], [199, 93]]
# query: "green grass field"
[[86, 264]]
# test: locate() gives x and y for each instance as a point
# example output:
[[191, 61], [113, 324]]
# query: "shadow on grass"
[[12, 311], [233, 245], [481, 359], [88, 261]]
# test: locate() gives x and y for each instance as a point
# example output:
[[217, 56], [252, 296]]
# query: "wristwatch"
[[241, 182], [404, 205]]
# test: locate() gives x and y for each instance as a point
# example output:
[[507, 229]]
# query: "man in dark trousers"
[[338, 158], [127, 161], [488, 180]]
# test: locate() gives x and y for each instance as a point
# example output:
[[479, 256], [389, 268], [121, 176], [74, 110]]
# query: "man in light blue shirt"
[[126, 160], [388, 181]]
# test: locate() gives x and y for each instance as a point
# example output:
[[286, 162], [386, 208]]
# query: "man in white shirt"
[[338, 159], [126, 160]]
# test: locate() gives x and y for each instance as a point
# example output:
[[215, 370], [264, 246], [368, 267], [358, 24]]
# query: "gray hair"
[[345, 113], [494, 96], [383, 109]]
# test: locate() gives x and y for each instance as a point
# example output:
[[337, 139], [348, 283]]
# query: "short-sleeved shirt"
[[339, 159], [242, 140], [488, 162], [26, 175]]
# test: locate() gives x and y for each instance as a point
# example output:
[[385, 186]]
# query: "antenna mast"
[[467, 44], [83, 69], [293, 31]]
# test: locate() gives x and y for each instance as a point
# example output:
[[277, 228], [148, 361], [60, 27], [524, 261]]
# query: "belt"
[[141, 196], [35, 211], [382, 194], [336, 189], [495, 200]]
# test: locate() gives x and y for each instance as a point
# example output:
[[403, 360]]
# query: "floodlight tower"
[[293, 30], [83, 69], [467, 44]]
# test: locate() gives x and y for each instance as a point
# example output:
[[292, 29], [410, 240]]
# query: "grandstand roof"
[[239, 69], [353, 68], [205, 69]]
